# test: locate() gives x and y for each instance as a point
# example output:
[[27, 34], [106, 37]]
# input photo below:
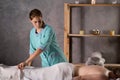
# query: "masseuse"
[[43, 42]]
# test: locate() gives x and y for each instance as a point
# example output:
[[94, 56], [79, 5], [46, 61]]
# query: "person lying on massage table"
[[94, 69], [94, 72]]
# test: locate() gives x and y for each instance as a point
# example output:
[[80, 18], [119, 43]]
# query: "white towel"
[[60, 71], [9, 73], [95, 59]]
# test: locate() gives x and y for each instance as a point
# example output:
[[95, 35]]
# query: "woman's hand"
[[22, 65], [31, 57]]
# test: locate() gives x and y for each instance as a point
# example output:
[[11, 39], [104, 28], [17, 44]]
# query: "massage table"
[[61, 71]]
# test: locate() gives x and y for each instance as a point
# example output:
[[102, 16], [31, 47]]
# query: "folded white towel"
[[95, 59]]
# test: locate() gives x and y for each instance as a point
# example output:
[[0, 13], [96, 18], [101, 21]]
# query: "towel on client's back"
[[60, 71]]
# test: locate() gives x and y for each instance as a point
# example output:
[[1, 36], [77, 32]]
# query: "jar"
[[93, 1], [81, 32], [112, 32], [77, 1]]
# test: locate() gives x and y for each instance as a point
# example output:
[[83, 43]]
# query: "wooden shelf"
[[106, 65], [91, 35], [68, 35], [78, 5], [67, 26]]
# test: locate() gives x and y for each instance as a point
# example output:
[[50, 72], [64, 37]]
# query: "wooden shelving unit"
[[79, 5], [67, 26], [91, 35]]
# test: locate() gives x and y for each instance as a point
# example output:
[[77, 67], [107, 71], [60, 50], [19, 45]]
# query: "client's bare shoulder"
[[92, 69], [93, 72]]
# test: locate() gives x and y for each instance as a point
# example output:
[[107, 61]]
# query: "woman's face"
[[37, 22]]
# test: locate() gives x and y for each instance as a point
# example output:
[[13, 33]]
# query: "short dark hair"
[[35, 12]]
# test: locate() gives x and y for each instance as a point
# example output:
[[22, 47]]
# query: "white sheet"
[[61, 71], [9, 72]]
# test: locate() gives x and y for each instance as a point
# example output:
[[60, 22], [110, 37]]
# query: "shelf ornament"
[[93, 1]]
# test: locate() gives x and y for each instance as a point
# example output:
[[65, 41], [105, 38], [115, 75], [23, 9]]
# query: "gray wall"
[[15, 27]]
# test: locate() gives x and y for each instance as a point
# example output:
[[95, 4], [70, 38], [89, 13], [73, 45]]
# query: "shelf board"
[[78, 5], [106, 65], [91, 35]]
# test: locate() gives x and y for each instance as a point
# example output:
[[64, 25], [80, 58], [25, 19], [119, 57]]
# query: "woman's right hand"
[[22, 65]]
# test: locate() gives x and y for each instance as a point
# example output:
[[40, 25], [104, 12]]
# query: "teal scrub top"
[[46, 40]]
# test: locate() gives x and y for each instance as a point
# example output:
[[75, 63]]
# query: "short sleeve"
[[31, 50], [46, 38]]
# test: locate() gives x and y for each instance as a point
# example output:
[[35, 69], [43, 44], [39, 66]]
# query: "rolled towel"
[[95, 59]]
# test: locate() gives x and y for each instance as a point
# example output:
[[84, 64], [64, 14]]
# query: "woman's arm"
[[30, 59], [33, 56]]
